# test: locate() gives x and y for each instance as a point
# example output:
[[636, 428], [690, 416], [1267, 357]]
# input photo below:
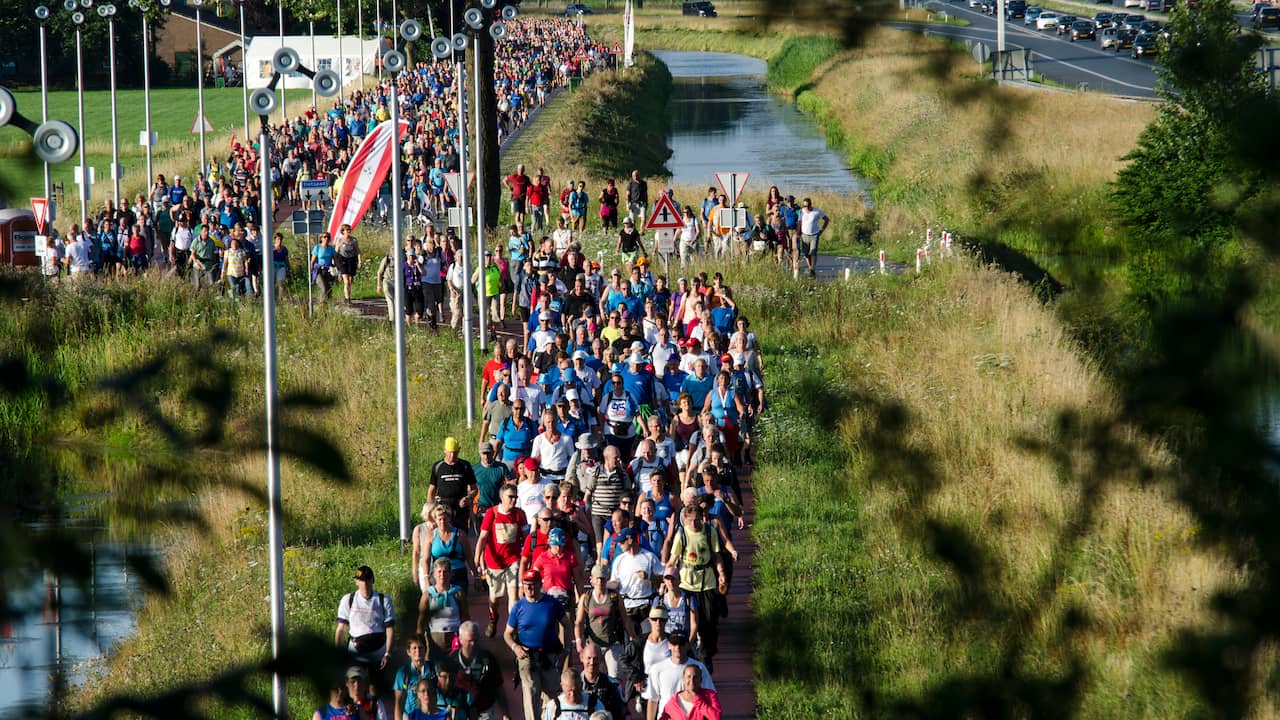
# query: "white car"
[[1047, 20]]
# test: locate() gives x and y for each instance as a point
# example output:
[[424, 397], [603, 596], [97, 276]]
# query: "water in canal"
[[724, 119], [92, 620]]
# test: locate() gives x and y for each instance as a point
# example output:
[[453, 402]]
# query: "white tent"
[[358, 56]]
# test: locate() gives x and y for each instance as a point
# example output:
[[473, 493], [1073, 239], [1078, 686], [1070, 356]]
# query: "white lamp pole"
[[244, 70], [78, 18], [108, 11], [200, 85]]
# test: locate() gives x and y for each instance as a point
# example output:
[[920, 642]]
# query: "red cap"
[[532, 575], [726, 358]]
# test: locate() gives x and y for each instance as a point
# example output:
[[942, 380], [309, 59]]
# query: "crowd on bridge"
[[204, 226]]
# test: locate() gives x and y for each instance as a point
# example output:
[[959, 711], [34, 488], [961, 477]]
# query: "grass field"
[[173, 114]]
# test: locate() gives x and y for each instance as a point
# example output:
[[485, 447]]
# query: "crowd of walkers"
[[597, 517], [206, 229]]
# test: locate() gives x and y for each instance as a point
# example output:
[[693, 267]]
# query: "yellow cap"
[[451, 444]]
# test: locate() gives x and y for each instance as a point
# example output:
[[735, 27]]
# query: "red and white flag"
[[364, 176]]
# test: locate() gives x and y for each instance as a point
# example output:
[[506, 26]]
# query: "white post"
[[342, 59], [84, 166], [315, 98], [479, 153], [1000, 25], [274, 509], [360, 34], [402, 392], [244, 71], [44, 96], [200, 87], [146, 97], [468, 359], [284, 82], [115, 118]]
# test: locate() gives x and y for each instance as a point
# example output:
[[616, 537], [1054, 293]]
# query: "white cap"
[[571, 394], [636, 358], [580, 355]]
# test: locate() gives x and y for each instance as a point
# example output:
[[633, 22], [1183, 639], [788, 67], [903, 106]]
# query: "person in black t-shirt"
[[453, 483]]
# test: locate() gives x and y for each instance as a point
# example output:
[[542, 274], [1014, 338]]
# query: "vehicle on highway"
[[1082, 30], [1132, 3], [1267, 17], [1257, 8], [975, 3], [699, 9], [1145, 45], [1103, 2], [575, 9], [1157, 5], [1064, 24], [1033, 12], [1047, 20], [1102, 20], [1131, 22], [1015, 10], [1117, 19], [1124, 39]]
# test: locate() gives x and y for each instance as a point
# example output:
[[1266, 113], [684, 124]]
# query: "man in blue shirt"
[[514, 437], [534, 634]]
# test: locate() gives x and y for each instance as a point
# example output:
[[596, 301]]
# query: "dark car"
[[1117, 19], [700, 9], [1149, 26], [1064, 24], [1015, 10], [574, 9], [1145, 45], [1131, 22], [1083, 30], [1267, 17], [1257, 8], [1101, 20], [1124, 39]]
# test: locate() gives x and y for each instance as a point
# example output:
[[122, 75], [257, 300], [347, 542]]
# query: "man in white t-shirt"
[[551, 449], [366, 622], [665, 676], [637, 573], [813, 222], [80, 256]]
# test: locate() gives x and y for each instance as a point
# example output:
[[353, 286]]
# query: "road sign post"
[[664, 243]]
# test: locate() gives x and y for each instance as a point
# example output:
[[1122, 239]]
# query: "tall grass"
[[799, 57], [854, 605]]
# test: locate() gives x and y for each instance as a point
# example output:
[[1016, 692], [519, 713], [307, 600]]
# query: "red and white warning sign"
[[665, 216], [40, 206]]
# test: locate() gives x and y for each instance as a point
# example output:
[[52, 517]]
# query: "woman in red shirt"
[[561, 570]]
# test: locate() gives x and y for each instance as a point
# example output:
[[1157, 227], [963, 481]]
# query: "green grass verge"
[[799, 57]]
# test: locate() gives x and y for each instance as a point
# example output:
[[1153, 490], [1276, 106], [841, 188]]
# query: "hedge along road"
[[1075, 64]]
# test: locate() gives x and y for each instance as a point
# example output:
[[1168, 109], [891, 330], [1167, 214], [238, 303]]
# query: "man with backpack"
[[696, 552], [366, 622]]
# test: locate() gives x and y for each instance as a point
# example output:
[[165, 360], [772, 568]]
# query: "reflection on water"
[[92, 620], [724, 119]]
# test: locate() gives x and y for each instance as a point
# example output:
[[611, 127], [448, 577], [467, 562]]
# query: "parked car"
[[1145, 45], [1124, 39], [1082, 30], [1064, 24], [576, 9], [1102, 20], [699, 9], [1032, 13], [1048, 20], [1267, 17]]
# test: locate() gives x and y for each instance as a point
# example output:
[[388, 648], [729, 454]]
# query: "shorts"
[[499, 579], [630, 257], [517, 206], [807, 245], [346, 265]]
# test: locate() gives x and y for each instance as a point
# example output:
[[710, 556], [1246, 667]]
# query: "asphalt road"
[[1078, 64]]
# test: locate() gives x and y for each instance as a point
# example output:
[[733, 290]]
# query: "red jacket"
[[705, 707]]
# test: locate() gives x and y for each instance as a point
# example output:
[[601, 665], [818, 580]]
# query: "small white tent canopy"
[[357, 55]]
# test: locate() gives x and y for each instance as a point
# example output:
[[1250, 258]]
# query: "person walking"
[[453, 484], [813, 222], [533, 634], [366, 623], [478, 671], [497, 551]]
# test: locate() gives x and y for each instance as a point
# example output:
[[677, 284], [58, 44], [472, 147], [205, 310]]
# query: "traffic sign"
[[731, 184], [452, 179], [314, 190], [308, 222], [617, 48], [201, 123], [665, 242], [665, 216], [40, 206]]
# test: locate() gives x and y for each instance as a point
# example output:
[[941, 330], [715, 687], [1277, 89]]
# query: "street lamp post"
[[342, 60], [200, 84], [360, 34], [108, 11], [144, 8], [244, 70], [284, 86], [42, 14], [78, 18]]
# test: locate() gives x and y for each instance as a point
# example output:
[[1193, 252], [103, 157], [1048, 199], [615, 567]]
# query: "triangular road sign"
[[665, 216], [452, 179], [731, 184], [201, 121], [40, 207]]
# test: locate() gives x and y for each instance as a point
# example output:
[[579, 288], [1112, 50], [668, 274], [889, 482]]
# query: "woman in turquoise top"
[[726, 407], [447, 542], [322, 267]]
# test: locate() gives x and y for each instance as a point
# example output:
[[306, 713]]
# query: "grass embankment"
[[173, 113], [856, 612], [217, 611]]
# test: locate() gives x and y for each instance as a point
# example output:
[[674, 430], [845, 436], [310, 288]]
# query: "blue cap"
[[568, 375], [626, 534], [555, 537], [616, 369]]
